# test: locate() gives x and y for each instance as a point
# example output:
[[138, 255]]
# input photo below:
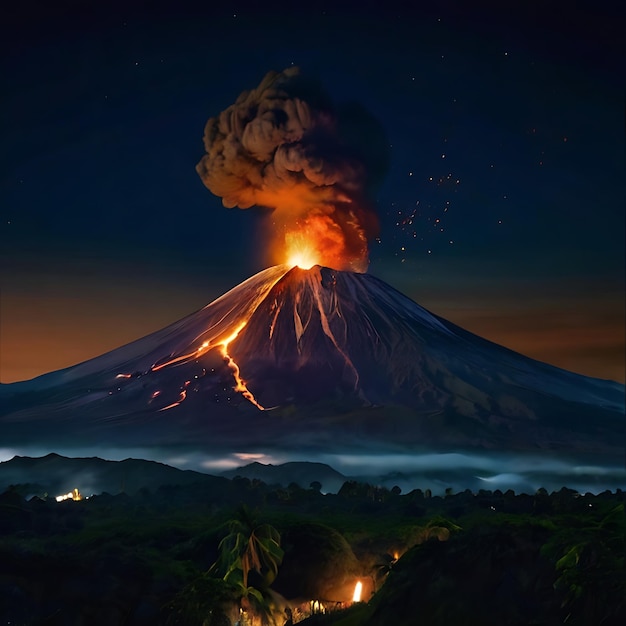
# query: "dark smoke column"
[[285, 146]]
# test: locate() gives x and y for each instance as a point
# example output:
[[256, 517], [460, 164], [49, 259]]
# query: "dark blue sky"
[[505, 124]]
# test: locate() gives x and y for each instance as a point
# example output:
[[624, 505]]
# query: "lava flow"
[[227, 325], [222, 345], [240, 386]]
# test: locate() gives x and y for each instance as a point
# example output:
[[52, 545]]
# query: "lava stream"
[[240, 387], [181, 398]]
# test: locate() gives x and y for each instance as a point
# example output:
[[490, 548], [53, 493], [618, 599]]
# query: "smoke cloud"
[[287, 147]]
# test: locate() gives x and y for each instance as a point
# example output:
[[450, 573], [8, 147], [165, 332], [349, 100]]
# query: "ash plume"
[[285, 146]]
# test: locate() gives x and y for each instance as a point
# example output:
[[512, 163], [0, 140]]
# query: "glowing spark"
[[358, 588]]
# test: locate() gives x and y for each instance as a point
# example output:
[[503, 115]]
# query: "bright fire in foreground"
[[358, 588]]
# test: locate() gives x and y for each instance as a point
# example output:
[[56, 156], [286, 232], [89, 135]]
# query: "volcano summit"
[[321, 360]]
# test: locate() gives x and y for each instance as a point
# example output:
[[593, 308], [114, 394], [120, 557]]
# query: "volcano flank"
[[325, 360]]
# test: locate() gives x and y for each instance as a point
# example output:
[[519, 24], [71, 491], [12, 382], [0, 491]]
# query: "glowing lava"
[[181, 397], [240, 386], [304, 259], [317, 240], [222, 345], [300, 251]]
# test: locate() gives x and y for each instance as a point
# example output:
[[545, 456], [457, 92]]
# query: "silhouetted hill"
[[303, 473], [56, 474]]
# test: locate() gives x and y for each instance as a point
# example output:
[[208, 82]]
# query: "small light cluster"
[[72, 495]]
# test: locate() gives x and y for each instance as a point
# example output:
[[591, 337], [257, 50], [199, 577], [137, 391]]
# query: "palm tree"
[[250, 552]]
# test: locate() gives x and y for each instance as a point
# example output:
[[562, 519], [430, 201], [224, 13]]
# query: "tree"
[[590, 567], [203, 601], [249, 557]]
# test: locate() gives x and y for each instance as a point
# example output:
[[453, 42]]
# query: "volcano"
[[318, 359]]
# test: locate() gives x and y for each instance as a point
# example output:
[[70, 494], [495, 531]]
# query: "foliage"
[[539, 558], [437, 527], [589, 556], [203, 601], [250, 550], [248, 547], [318, 559]]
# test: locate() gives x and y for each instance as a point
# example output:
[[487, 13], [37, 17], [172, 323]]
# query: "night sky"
[[502, 210]]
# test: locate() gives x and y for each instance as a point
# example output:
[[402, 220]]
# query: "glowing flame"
[[304, 259], [319, 240], [300, 252], [358, 588]]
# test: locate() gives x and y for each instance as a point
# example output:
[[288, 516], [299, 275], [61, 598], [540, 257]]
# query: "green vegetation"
[[193, 555], [250, 553]]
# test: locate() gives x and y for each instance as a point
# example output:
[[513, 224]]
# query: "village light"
[[72, 495]]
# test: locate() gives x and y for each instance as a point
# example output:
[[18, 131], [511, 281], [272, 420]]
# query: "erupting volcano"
[[313, 354], [335, 360]]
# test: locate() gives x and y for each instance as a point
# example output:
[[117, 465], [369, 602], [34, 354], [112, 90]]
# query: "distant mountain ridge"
[[57, 474]]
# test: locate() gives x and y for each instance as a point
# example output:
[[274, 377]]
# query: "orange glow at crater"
[[317, 240], [300, 253]]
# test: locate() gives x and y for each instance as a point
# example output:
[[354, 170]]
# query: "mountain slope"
[[322, 360]]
